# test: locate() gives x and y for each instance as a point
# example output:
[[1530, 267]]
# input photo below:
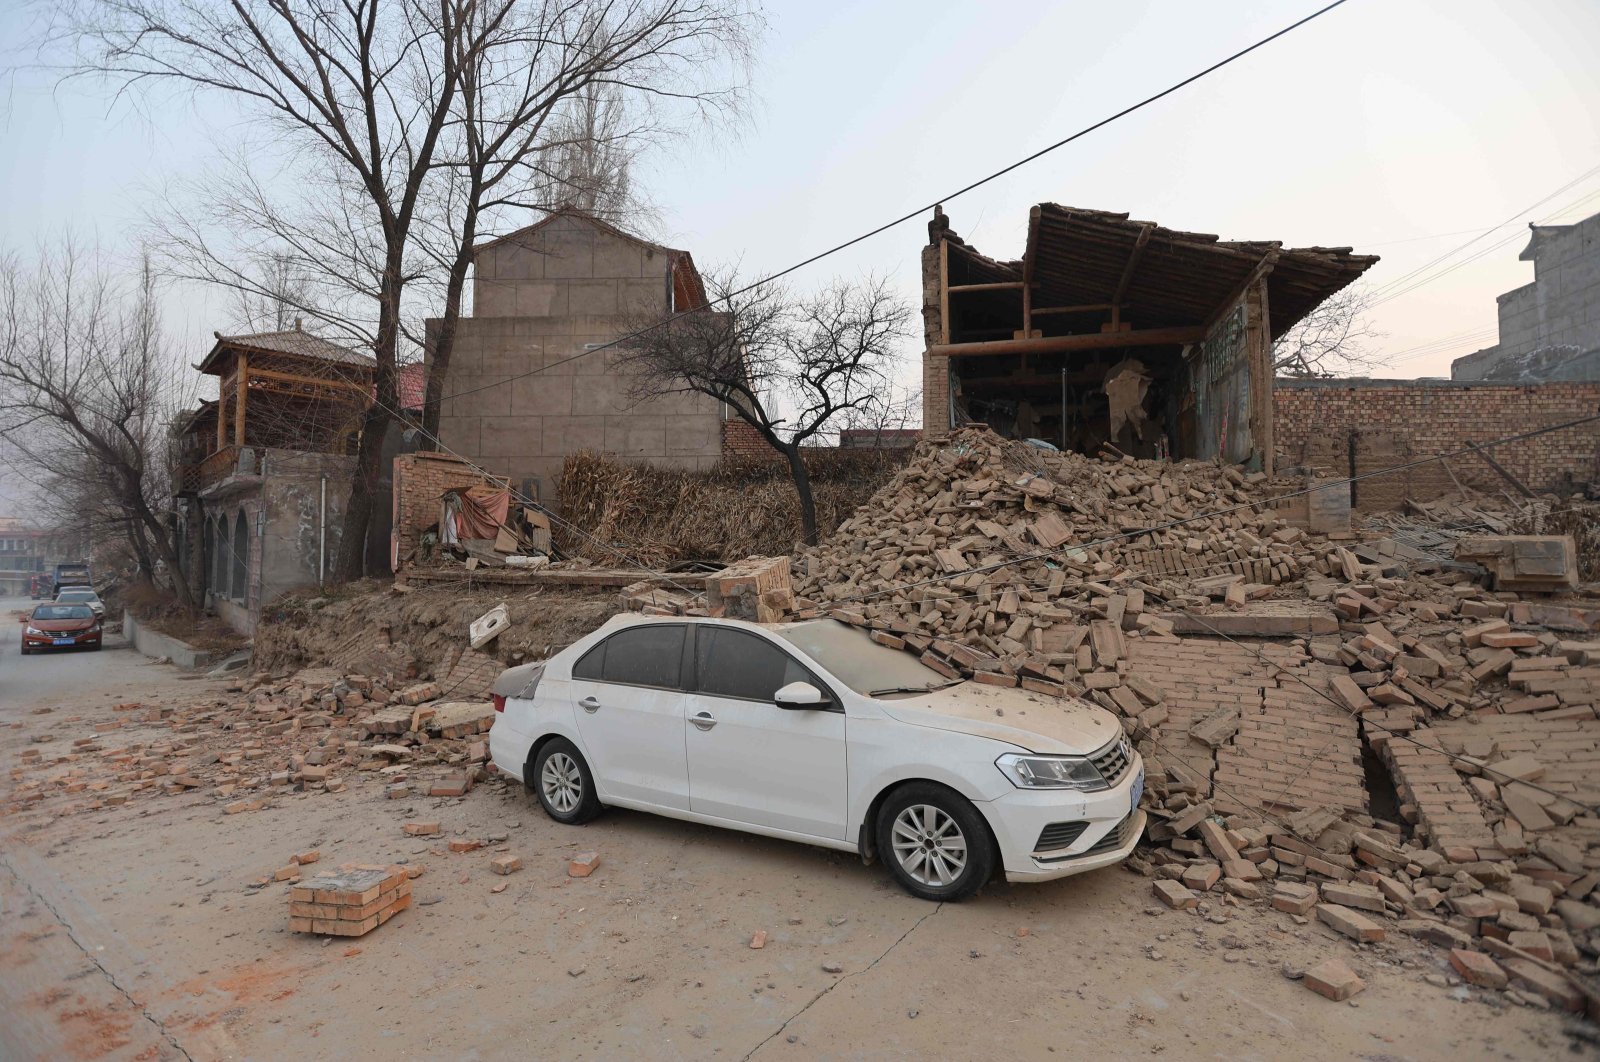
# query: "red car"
[[57, 626]]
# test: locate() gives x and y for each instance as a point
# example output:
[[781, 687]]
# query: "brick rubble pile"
[[317, 730], [1468, 695]]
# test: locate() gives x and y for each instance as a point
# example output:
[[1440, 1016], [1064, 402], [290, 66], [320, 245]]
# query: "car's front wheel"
[[935, 842], [563, 783]]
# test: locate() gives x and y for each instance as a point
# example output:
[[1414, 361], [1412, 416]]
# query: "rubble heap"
[[1256, 788], [315, 730]]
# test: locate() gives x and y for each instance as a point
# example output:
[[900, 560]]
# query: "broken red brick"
[[1334, 980], [583, 864]]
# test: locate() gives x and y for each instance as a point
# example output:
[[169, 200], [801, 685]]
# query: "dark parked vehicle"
[[58, 626], [68, 575], [39, 585]]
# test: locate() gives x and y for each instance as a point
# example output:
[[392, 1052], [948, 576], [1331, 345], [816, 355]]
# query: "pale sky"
[[1400, 127]]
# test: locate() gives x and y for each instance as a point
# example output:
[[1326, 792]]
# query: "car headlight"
[[36, 631], [1049, 772]]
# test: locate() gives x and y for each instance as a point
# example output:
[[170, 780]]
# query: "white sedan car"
[[814, 732]]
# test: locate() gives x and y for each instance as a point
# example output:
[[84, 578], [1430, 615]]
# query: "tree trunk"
[[802, 488], [352, 561], [147, 528], [444, 342]]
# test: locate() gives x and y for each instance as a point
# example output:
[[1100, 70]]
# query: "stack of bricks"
[[351, 902]]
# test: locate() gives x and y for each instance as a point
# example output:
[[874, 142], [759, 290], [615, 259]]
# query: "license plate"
[[1138, 791], [61, 641]]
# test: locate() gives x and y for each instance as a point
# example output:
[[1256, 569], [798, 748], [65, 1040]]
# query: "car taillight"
[[499, 702]]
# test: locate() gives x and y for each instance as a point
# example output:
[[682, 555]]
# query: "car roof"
[[630, 619]]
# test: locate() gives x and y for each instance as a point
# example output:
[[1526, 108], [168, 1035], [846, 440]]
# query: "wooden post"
[[243, 376], [1027, 273], [1262, 383], [222, 416]]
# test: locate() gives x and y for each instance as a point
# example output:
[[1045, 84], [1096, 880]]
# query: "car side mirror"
[[799, 696]]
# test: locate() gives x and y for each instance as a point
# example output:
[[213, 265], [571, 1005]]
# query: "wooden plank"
[[1498, 467], [1087, 307], [1127, 273], [999, 285], [1067, 344]]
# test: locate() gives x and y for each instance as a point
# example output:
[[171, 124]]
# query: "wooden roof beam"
[[1127, 272], [1067, 344]]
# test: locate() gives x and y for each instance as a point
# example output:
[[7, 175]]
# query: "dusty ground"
[[134, 932]]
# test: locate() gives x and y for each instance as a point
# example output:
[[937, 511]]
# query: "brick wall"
[[420, 479], [743, 443], [1396, 421]]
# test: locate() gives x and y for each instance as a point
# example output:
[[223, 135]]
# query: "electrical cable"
[[919, 211]]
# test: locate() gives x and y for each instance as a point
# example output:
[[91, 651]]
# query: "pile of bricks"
[[1255, 788], [315, 731], [350, 902]]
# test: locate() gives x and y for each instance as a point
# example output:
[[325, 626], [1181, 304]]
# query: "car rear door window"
[[648, 655], [734, 663]]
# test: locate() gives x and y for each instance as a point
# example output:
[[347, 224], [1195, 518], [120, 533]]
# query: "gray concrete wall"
[[541, 298], [283, 519], [1561, 308], [154, 644], [291, 494]]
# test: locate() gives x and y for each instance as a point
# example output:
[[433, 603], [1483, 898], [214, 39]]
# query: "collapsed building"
[[1114, 330]]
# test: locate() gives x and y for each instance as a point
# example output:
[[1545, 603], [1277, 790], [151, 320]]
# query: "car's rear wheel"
[[562, 781], [935, 842]]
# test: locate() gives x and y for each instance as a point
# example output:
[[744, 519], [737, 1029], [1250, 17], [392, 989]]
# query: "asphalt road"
[[30, 681]]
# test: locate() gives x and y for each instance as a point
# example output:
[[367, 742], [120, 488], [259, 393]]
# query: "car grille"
[[1059, 835], [1114, 760], [1114, 839]]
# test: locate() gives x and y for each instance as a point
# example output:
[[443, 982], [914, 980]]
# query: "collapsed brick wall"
[[1382, 423], [420, 479]]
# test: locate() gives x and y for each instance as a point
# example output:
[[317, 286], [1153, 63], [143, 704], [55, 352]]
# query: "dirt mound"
[[373, 628]]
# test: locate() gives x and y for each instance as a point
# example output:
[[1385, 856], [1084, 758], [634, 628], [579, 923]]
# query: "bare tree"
[[1330, 340], [550, 111], [87, 391], [787, 366], [367, 97]]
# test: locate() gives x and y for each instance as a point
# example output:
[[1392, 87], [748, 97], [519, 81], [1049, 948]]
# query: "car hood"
[[1052, 725], [61, 626]]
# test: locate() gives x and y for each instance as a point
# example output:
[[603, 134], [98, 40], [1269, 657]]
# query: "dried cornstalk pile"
[[737, 509]]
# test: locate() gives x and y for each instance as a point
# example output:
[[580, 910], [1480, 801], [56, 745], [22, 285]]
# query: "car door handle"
[[703, 720], [590, 705]]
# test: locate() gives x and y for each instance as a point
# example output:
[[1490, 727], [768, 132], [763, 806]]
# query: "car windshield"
[[62, 612], [77, 595], [852, 657]]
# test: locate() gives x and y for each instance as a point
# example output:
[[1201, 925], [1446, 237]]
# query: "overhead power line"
[[919, 211]]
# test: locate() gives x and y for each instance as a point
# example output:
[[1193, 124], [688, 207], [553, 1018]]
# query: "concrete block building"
[[1550, 328], [521, 393]]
